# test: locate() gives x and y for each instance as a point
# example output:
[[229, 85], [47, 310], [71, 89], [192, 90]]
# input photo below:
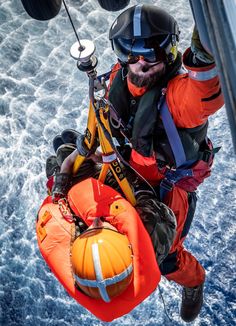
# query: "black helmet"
[[145, 30]]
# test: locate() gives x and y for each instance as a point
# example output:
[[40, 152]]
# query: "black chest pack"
[[184, 156]]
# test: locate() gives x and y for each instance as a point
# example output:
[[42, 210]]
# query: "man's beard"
[[146, 81]]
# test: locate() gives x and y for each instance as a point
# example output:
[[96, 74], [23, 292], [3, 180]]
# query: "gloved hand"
[[125, 151], [62, 183], [159, 221], [82, 147], [198, 50]]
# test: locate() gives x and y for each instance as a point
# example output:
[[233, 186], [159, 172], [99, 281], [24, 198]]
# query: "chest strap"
[[183, 168], [176, 145], [171, 132]]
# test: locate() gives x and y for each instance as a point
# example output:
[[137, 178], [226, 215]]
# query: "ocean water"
[[42, 93]]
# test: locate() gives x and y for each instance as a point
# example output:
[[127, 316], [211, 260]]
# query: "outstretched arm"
[[194, 96]]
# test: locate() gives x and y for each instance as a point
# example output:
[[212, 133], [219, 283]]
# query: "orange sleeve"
[[194, 96]]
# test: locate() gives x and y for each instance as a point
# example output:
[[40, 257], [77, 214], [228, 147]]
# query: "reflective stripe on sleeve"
[[203, 75]]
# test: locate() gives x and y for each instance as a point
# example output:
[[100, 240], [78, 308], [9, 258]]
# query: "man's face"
[[146, 74], [98, 223]]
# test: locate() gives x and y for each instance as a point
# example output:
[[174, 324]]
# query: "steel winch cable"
[[73, 26], [91, 96], [171, 319]]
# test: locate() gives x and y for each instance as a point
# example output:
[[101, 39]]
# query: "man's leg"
[[180, 265], [65, 144], [63, 147]]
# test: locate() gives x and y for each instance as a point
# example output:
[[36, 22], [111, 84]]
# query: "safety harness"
[[187, 174], [188, 165]]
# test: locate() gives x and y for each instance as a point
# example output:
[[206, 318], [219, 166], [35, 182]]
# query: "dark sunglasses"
[[131, 52], [148, 55], [132, 59]]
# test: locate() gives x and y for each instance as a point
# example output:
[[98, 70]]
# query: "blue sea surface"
[[41, 93]]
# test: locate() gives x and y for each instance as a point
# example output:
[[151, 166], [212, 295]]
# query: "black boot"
[[65, 144], [62, 183], [52, 166], [192, 300], [63, 151], [69, 136], [57, 142]]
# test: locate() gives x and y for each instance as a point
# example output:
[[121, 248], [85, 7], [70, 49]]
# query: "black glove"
[[159, 221], [61, 186], [52, 166], [125, 151], [198, 50]]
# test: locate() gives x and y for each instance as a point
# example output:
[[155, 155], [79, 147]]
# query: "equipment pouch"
[[201, 169]]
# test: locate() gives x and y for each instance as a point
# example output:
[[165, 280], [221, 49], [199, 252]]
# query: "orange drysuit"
[[191, 97]]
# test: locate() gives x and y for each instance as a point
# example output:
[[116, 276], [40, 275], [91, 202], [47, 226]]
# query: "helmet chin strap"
[[146, 68]]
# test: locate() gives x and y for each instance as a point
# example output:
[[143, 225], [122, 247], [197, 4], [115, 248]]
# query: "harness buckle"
[[163, 91], [207, 154], [166, 184]]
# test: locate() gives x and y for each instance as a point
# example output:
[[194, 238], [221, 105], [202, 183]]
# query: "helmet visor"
[[126, 49], [130, 51]]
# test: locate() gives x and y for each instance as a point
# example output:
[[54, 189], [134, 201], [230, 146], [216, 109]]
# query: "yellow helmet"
[[102, 263]]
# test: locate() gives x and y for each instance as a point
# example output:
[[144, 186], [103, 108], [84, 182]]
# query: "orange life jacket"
[[89, 199]]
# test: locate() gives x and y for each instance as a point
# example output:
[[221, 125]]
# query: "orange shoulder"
[[114, 71], [195, 95]]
